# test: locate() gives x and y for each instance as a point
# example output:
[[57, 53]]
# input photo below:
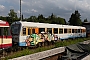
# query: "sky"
[[60, 8]]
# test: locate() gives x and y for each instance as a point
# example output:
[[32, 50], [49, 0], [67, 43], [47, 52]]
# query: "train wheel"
[[39, 44], [43, 44], [52, 42], [46, 43]]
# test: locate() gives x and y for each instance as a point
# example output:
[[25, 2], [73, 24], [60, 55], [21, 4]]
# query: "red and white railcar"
[[5, 36]]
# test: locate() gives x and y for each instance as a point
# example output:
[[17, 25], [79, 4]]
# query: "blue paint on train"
[[22, 44]]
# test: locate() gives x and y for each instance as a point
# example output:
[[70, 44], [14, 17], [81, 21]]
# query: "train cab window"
[[49, 30], [24, 31], [41, 30], [55, 30], [65, 30], [15, 29], [60, 31]]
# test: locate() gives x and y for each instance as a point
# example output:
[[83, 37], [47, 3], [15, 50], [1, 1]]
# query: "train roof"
[[4, 23], [46, 25]]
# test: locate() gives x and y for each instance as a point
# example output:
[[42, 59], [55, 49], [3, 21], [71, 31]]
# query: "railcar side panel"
[[30, 33]]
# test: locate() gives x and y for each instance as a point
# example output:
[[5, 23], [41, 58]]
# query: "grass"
[[69, 42], [39, 49], [28, 51]]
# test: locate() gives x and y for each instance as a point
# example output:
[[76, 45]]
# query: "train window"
[[24, 31], [78, 30], [41, 30], [1, 31], [81, 30], [29, 31], [7, 31], [36, 30], [33, 31], [75, 31], [15, 29], [55, 30], [84, 30], [65, 30], [49, 30], [72, 30], [69, 30], [60, 31]]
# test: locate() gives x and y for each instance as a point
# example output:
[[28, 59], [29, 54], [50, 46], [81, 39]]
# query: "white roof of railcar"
[[4, 23], [47, 25]]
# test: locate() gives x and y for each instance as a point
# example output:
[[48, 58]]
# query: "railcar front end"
[[5, 36]]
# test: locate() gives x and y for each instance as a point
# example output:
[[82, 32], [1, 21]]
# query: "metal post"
[[20, 11], [3, 49], [2, 43]]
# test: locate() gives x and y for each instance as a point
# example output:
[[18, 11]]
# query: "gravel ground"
[[87, 57]]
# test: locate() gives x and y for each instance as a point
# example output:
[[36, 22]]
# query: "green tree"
[[75, 19], [53, 16], [12, 15], [6, 19], [61, 20], [56, 20], [52, 19], [32, 19], [85, 20], [40, 16], [2, 18]]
